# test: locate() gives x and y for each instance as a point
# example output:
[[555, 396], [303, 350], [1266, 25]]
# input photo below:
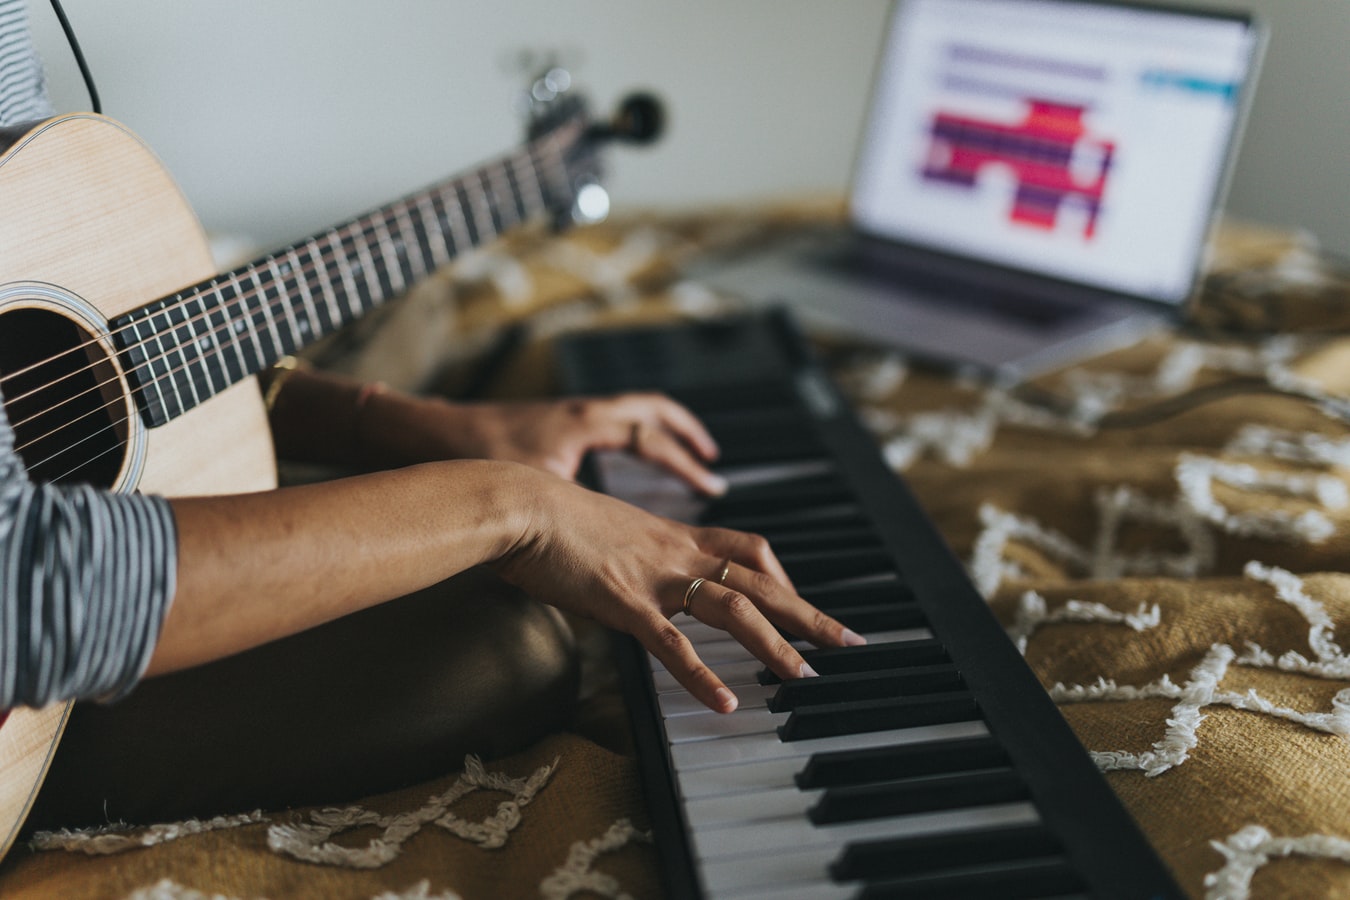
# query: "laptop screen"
[[1081, 140]]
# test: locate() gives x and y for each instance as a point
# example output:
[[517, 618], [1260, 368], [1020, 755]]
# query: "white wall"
[[282, 116]]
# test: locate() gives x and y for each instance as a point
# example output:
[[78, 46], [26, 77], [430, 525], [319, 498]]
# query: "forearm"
[[257, 567]]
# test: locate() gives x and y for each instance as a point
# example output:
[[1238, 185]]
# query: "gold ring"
[[726, 570], [689, 594], [634, 437]]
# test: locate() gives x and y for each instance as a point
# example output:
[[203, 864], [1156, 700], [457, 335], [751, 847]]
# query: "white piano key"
[[729, 650], [812, 890], [676, 703], [754, 748], [753, 475], [740, 779], [651, 487], [746, 720], [760, 872], [781, 803], [732, 674], [758, 836]]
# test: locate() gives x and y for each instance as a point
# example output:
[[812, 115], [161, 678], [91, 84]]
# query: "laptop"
[[1036, 182]]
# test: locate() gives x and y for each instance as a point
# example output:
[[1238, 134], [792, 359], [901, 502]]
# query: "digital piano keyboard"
[[929, 762]]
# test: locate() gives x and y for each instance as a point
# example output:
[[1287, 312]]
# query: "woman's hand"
[[604, 559], [326, 418], [550, 435]]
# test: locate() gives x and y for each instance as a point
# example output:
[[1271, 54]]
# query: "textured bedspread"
[[1164, 531]]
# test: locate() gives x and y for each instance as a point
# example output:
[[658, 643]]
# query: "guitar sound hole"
[[63, 399]]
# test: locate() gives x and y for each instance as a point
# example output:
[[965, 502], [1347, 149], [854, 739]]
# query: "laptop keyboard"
[[858, 260]]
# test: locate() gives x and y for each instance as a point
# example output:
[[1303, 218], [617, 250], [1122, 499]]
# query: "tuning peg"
[[639, 119]]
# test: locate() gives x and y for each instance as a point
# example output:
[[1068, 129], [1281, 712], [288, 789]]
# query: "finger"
[[671, 454], [680, 421], [749, 550], [662, 412], [735, 613], [786, 610], [664, 641]]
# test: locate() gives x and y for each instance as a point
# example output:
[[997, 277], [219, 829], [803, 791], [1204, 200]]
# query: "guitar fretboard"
[[182, 350]]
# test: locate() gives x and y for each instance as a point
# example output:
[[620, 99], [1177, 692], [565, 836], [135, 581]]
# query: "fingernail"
[[726, 700], [851, 638], [807, 671], [715, 485]]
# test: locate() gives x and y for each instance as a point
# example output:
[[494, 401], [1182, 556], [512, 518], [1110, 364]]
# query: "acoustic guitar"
[[103, 387]]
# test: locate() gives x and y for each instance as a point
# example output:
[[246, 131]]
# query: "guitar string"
[[280, 301], [553, 165], [556, 164], [338, 237], [386, 218], [551, 161], [437, 190]]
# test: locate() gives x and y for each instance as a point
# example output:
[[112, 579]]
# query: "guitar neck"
[[182, 350]]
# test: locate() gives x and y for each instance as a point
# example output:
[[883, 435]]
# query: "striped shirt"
[[23, 94], [86, 576]]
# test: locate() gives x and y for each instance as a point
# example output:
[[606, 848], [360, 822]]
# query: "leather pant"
[[378, 700]]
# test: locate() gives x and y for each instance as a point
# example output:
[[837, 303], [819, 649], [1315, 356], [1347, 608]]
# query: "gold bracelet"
[[283, 368]]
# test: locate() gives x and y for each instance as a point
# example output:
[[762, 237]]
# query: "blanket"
[[1162, 531]]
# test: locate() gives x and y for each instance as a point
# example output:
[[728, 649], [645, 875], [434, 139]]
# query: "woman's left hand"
[[552, 435]]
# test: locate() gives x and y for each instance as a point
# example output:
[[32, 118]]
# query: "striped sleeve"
[[23, 91], [86, 578]]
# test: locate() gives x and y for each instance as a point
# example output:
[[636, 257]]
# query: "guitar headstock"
[[555, 108]]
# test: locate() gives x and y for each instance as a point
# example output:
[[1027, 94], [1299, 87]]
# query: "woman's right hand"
[[604, 559]]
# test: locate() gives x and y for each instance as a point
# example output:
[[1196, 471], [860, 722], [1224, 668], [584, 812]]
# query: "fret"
[[530, 179], [320, 274], [166, 351], [452, 207], [500, 186], [317, 323], [298, 326], [242, 315], [205, 345], [365, 269], [403, 220], [519, 210], [389, 251], [342, 265], [466, 214], [269, 322], [140, 343], [484, 208], [437, 248], [555, 179], [236, 365]]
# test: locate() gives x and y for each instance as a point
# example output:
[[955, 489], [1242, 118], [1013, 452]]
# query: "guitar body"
[[94, 227]]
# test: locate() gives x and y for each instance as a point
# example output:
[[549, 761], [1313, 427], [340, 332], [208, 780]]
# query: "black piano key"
[[897, 857], [730, 397], [812, 568], [880, 593], [844, 767], [846, 537], [766, 499], [858, 717], [749, 446], [870, 619], [798, 520], [1011, 880], [869, 658], [924, 793], [801, 692]]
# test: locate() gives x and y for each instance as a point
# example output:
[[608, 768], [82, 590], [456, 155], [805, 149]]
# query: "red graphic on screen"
[[1053, 158]]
